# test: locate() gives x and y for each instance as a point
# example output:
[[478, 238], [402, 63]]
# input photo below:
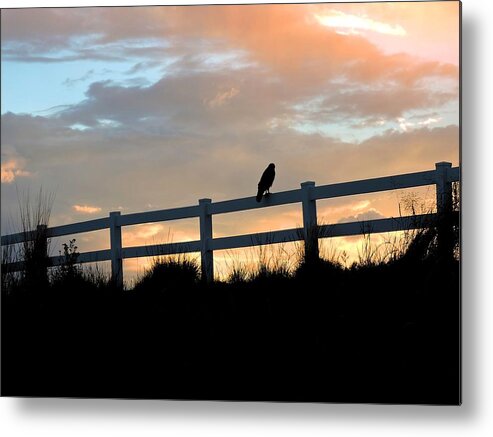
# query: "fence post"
[[116, 249], [206, 255], [445, 237], [42, 241], [39, 256], [444, 187], [310, 228]]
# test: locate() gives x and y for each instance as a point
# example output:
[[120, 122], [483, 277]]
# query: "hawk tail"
[[260, 193]]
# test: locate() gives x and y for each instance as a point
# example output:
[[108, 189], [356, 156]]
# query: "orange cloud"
[[222, 98], [86, 209], [11, 169], [284, 38], [432, 28], [160, 233]]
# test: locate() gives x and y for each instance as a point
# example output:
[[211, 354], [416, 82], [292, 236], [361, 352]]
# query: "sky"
[[145, 108]]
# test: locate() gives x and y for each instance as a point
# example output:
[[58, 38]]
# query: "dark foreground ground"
[[377, 334]]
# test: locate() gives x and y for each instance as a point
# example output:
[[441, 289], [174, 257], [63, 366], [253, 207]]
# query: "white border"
[[61, 417]]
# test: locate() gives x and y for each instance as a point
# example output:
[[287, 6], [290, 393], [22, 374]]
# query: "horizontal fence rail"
[[443, 176]]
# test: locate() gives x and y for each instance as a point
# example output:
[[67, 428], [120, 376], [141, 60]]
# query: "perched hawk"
[[266, 181]]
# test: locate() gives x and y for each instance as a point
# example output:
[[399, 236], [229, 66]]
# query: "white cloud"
[[405, 125], [352, 23], [78, 126], [429, 120]]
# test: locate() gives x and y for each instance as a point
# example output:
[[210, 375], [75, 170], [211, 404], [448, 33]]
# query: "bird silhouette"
[[266, 181]]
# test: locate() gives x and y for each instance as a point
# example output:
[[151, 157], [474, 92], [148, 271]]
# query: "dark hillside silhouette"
[[383, 332]]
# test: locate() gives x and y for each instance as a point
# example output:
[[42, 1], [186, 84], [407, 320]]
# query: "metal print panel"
[[235, 202]]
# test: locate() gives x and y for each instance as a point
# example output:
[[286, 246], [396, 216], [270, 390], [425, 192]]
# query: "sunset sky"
[[146, 108]]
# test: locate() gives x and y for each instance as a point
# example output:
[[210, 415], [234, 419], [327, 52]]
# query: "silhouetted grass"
[[385, 329], [169, 273]]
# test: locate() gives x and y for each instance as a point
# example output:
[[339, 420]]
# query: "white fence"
[[307, 195]]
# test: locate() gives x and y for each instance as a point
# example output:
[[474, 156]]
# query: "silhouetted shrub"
[[168, 274]]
